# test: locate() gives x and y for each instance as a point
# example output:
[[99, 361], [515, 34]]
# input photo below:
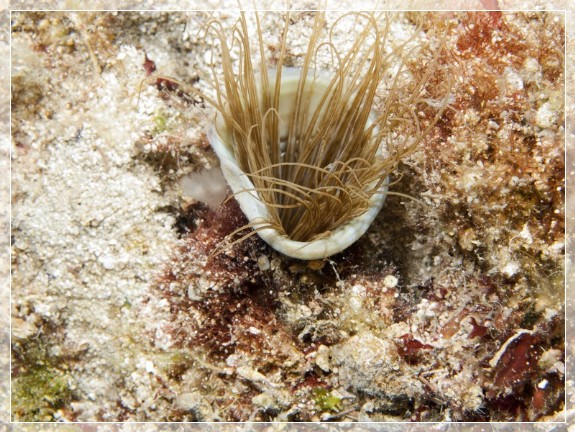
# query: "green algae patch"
[[41, 384]]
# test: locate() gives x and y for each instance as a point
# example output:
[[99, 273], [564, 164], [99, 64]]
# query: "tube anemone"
[[306, 152]]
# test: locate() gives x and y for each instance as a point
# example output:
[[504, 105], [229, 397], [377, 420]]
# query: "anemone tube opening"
[[308, 144]]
